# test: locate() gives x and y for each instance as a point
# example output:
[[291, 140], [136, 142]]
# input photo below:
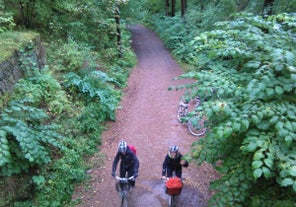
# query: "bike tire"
[[124, 202], [172, 201], [181, 113], [196, 126]]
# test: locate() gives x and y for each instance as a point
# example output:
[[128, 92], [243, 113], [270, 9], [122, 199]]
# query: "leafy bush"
[[250, 63]]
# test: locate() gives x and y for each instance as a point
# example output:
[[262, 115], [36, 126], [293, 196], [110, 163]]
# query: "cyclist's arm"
[[136, 164], [184, 163], [115, 162], [164, 165]]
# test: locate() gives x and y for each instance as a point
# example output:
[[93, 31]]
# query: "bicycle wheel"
[[172, 201], [124, 202], [196, 126], [181, 113]]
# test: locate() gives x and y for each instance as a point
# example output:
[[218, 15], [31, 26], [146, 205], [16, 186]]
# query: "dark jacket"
[[127, 161], [173, 163]]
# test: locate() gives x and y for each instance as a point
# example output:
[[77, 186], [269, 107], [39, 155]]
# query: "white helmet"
[[122, 146], [174, 149]]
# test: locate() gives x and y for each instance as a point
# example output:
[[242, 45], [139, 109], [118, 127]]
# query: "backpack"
[[133, 149]]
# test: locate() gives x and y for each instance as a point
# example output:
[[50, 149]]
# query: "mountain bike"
[[123, 187]]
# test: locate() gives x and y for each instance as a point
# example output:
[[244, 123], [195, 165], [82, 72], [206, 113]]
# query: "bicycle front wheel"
[[172, 201], [196, 126], [124, 202]]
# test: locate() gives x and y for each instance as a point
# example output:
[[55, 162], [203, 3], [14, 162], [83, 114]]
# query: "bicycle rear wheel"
[[196, 126]]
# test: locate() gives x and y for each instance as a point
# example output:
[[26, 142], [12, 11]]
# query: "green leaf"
[[227, 132], [257, 173], [288, 126], [266, 172], [292, 171], [270, 91], [245, 124], [268, 162], [286, 182], [255, 119], [279, 125], [274, 119], [236, 126], [279, 90], [258, 155], [291, 114], [257, 164], [283, 132]]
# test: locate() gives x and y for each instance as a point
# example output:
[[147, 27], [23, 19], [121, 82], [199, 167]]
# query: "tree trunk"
[[267, 7], [183, 7], [173, 7], [118, 32], [167, 5]]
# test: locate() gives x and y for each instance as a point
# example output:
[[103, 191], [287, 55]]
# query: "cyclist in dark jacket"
[[173, 162], [129, 163]]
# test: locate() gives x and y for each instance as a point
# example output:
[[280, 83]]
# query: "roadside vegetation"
[[54, 118]]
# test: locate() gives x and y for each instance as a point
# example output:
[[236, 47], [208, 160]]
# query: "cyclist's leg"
[[122, 174], [178, 172], [169, 172], [130, 173]]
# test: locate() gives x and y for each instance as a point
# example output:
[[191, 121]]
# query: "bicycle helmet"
[[122, 146], [174, 149]]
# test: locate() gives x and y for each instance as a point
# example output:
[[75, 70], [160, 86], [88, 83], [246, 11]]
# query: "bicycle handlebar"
[[124, 179]]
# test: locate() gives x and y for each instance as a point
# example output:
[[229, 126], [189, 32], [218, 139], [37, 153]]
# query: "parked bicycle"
[[123, 187], [195, 121]]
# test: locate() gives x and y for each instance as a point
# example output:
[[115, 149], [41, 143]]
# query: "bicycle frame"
[[123, 189], [182, 111]]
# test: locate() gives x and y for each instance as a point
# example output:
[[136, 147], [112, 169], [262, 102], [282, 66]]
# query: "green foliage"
[[250, 64], [56, 114], [12, 40], [59, 183], [26, 138], [6, 21], [94, 87]]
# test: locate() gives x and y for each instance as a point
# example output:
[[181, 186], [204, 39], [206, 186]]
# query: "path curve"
[[147, 119]]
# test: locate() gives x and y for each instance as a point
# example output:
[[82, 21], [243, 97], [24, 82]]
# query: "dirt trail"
[[147, 119]]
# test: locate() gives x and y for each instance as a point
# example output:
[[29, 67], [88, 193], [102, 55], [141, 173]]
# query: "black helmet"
[[122, 146]]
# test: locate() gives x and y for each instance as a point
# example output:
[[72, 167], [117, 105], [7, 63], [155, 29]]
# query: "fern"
[[25, 134]]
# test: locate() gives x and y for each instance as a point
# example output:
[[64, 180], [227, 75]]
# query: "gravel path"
[[147, 119]]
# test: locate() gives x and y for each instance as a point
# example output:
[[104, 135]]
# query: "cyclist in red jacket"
[[129, 163], [173, 162]]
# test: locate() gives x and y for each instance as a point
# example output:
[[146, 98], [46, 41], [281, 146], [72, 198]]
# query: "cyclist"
[[173, 162], [129, 163]]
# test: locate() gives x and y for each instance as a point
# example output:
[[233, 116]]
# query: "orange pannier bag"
[[174, 186]]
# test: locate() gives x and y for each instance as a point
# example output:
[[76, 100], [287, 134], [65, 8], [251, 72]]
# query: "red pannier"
[[174, 186]]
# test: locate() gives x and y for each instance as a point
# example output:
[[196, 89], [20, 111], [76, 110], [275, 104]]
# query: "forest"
[[243, 50]]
